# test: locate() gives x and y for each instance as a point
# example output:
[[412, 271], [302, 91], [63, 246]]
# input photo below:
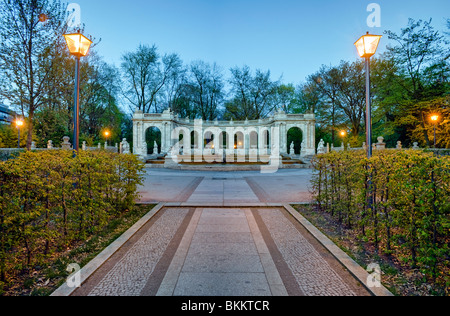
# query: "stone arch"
[[153, 134], [195, 140], [223, 140], [253, 139], [295, 134], [208, 139], [183, 137], [239, 140], [265, 138]]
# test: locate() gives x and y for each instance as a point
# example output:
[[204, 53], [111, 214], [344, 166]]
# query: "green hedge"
[[49, 200], [410, 213]]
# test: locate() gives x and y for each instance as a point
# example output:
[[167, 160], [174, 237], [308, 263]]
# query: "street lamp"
[[19, 124], [367, 46], [343, 134], [435, 119], [106, 137], [78, 46]]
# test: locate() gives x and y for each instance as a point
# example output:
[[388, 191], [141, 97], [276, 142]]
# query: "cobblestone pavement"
[[221, 252], [315, 277]]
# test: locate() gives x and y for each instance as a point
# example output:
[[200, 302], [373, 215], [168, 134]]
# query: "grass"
[[45, 278]]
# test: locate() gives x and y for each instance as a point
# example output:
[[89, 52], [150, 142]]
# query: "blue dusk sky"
[[291, 38]]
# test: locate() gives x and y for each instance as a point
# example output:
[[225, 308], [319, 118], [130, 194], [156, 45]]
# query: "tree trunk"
[[30, 130]]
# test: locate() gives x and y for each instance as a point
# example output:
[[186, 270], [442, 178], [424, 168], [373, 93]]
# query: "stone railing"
[[123, 147], [380, 145]]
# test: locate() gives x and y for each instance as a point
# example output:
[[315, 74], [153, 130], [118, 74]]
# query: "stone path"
[[221, 234], [227, 188], [221, 252]]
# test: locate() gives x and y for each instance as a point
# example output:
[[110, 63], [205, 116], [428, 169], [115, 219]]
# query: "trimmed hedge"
[[410, 213], [49, 200]]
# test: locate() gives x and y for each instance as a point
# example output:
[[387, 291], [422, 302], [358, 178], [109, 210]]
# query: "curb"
[[354, 268], [86, 272]]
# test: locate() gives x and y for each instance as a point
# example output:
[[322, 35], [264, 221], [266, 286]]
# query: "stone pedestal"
[[66, 145], [381, 145]]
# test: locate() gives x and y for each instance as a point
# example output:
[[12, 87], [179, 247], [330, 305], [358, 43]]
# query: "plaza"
[[211, 154], [223, 234]]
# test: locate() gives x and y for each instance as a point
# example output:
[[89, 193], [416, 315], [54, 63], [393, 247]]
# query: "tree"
[[207, 89], [337, 96], [286, 98], [137, 70], [422, 68], [322, 91], [254, 96], [27, 47], [145, 74]]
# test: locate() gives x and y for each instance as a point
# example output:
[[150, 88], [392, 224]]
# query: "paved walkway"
[[227, 188], [220, 234], [222, 252]]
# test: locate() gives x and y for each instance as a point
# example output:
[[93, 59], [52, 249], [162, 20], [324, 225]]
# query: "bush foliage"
[[49, 200], [410, 194]]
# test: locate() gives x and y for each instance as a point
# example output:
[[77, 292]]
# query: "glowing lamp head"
[[19, 123], [78, 44], [107, 134], [367, 45], [343, 133], [435, 118]]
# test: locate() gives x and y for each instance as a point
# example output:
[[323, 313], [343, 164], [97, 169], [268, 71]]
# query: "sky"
[[291, 38]]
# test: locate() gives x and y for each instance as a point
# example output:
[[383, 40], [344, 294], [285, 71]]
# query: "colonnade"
[[252, 141]]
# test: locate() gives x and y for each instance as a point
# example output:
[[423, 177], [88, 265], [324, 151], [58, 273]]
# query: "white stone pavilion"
[[219, 141]]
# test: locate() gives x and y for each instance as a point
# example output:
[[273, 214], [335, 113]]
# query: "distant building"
[[6, 115]]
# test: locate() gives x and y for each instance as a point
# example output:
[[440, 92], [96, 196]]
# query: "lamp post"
[[434, 119], [367, 46], [19, 124], [343, 134], [78, 46], [107, 133]]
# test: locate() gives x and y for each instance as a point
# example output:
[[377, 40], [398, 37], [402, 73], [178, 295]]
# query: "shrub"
[[409, 216], [48, 200]]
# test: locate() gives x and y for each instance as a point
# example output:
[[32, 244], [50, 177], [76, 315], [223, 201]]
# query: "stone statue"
[[155, 148], [50, 144], [144, 149], [292, 151], [125, 147], [321, 147]]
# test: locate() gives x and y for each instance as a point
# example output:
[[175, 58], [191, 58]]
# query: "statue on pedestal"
[[125, 147], [321, 147]]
